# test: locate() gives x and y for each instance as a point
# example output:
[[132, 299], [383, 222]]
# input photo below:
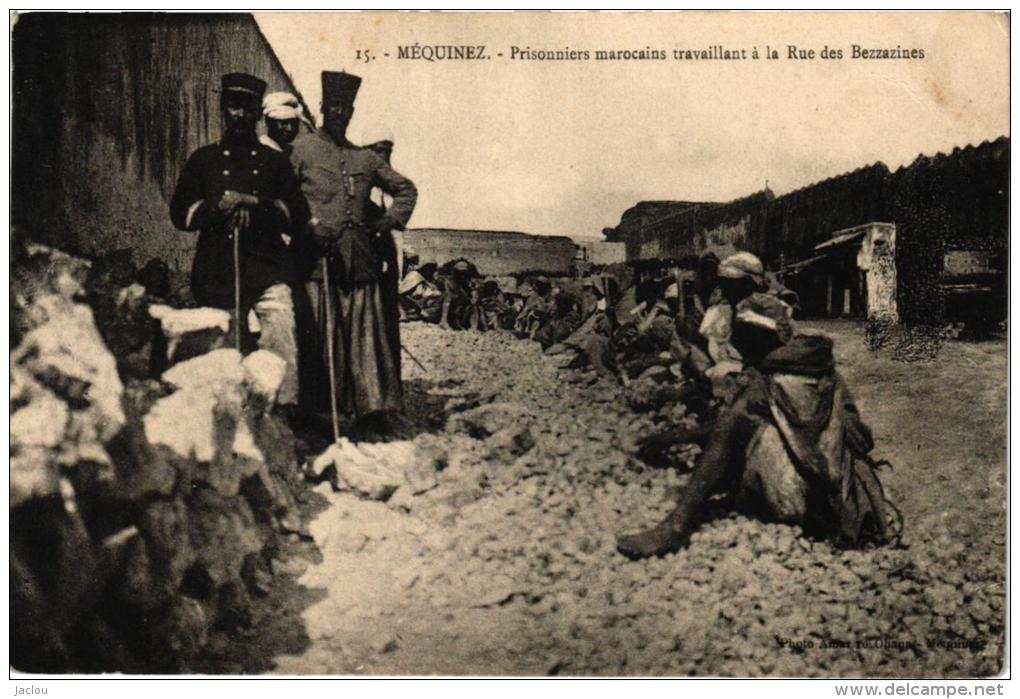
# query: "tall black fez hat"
[[339, 87], [244, 85]]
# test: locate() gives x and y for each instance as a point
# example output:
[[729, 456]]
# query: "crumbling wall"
[[144, 513], [877, 259]]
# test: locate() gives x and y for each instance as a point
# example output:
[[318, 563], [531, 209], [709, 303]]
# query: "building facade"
[[942, 207]]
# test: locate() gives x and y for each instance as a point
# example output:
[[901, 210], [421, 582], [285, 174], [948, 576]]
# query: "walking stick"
[[330, 337], [237, 286], [414, 359]]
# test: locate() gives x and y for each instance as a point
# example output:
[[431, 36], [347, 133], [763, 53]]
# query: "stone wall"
[[495, 253]]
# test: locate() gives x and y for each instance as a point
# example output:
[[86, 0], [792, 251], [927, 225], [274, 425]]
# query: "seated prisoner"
[[420, 297], [790, 447]]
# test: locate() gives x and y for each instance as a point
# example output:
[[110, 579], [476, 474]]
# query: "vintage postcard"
[[607, 344]]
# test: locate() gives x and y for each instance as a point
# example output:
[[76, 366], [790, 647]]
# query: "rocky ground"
[[508, 565], [149, 517]]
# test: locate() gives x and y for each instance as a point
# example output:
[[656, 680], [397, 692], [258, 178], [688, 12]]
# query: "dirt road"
[[509, 565]]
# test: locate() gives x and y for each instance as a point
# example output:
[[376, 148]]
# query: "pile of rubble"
[[541, 479], [145, 513]]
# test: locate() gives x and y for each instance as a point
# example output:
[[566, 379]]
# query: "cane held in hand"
[[232, 205], [319, 467], [237, 286], [330, 351]]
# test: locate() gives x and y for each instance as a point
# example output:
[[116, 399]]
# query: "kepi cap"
[[339, 87], [243, 84]]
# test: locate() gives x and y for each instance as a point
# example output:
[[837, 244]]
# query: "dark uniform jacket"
[[337, 181], [249, 168]]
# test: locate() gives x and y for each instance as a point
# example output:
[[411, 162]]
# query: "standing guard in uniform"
[[350, 249], [243, 199]]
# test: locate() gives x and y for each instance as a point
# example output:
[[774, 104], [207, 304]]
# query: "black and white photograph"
[[632, 344]]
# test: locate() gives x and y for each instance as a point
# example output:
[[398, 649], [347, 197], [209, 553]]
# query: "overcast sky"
[[560, 147]]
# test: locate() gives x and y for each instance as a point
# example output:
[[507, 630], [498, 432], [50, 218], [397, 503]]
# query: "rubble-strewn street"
[[508, 565]]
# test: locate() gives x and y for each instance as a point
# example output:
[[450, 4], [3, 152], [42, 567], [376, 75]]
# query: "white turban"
[[377, 133], [283, 106], [742, 264]]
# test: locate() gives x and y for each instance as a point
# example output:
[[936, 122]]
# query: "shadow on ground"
[[277, 625]]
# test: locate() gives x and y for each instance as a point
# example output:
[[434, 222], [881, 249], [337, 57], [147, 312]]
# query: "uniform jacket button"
[[226, 153], [226, 172]]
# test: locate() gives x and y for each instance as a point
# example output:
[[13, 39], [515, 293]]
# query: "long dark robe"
[[366, 341]]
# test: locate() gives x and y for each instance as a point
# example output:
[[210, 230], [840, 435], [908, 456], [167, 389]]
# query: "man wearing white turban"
[[283, 114]]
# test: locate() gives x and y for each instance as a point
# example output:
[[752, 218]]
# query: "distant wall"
[[107, 107], [604, 253], [953, 201], [699, 227], [796, 222], [494, 252], [644, 212]]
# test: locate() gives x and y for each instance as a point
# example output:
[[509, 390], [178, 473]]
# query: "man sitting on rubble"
[[791, 446], [644, 333], [537, 306], [496, 309], [420, 297], [563, 319], [590, 343], [712, 366], [455, 279], [700, 291]]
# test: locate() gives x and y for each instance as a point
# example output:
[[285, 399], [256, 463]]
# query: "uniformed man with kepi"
[[243, 198], [337, 178]]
